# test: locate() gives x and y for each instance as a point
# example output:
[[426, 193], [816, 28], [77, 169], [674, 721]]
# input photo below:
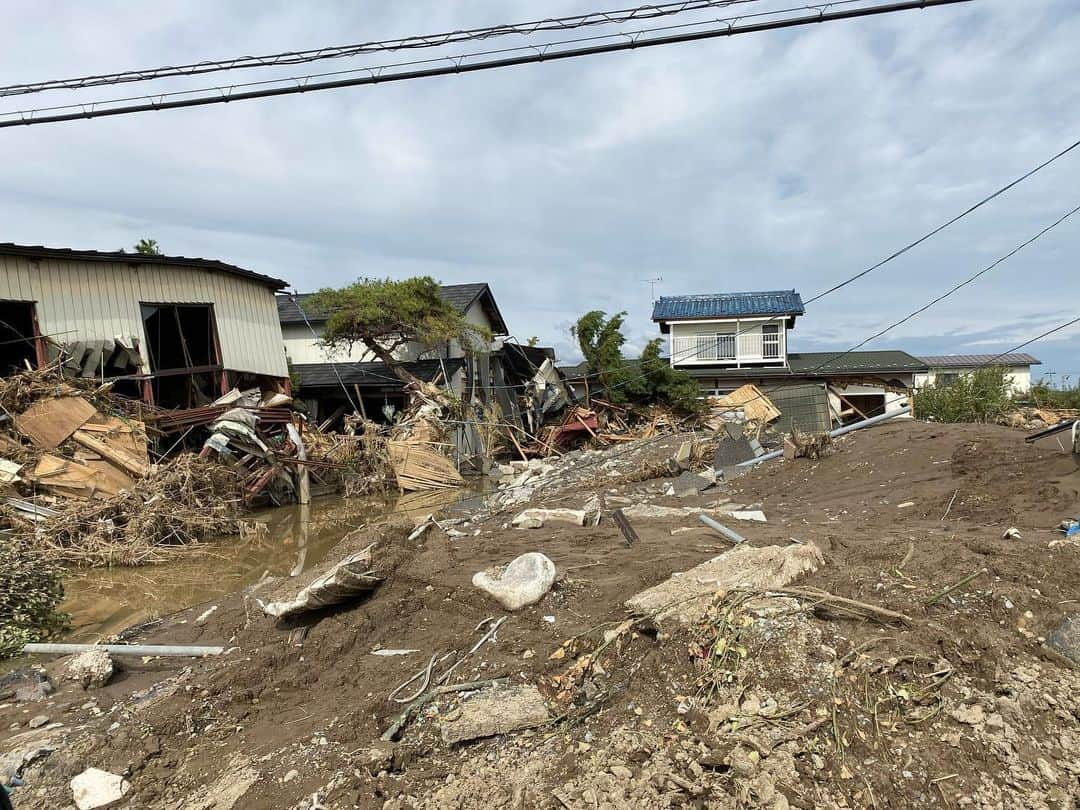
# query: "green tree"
[[148, 247], [384, 315], [648, 380]]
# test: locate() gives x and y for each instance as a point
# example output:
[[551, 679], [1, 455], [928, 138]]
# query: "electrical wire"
[[532, 27], [452, 65]]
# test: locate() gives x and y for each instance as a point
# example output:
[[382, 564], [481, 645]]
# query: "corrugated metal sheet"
[[727, 305], [93, 300], [968, 360]]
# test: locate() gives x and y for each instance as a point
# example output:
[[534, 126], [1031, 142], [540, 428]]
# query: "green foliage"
[[1042, 395], [982, 396], [384, 315], [649, 380], [148, 247], [30, 590]]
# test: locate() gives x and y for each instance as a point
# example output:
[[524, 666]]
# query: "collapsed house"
[[173, 331]]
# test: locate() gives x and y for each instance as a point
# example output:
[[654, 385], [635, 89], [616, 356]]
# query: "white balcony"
[[752, 347]]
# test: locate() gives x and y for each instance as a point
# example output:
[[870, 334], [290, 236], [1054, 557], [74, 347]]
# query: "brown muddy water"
[[287, 540]]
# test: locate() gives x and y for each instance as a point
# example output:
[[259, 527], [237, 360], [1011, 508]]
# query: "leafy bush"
[[982, 396], [30, 589]]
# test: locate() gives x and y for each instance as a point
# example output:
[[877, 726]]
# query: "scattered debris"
[[1012, 533], [523, 582], [500, 710], [537, 518], [624, 526], [1065, 638], [733, 536], [346, 580]]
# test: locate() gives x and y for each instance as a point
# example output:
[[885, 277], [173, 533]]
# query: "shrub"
[[982, 396], [1043, 396], [30, 589]]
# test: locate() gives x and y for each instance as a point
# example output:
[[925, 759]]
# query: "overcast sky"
[[765, 161]]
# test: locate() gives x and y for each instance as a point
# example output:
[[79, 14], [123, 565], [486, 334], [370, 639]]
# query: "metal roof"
[[70, 254], [369, 375], [871, 362], [727, 305], [968, 360], [291, 308]]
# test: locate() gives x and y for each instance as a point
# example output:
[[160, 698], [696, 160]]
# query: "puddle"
[[103, 601]]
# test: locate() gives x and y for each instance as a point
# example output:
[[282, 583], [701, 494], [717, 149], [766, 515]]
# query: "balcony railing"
[[727, 349]]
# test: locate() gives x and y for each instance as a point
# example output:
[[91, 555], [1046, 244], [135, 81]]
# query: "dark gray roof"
[[69, 254], [369, 375], [291, 308], [854, 362], [969, 360], [727, 305]]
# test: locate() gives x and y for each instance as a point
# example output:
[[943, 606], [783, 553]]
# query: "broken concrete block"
[[683, 454], [732, 449], [523, 582], [95, 788], [755, 515], [90, 668], [690, 484], [758, 569], [497, 711], [531, 517]]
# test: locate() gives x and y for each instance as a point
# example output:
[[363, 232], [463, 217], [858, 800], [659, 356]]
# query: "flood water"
[[288, 540]]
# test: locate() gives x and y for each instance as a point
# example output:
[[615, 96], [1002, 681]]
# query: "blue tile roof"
[[727, 305]]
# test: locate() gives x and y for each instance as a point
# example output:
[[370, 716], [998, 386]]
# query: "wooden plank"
[[79, 479], [122, 459], [625, 527], [49, 422]]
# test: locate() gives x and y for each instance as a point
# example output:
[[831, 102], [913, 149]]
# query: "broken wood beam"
[[625, 527]]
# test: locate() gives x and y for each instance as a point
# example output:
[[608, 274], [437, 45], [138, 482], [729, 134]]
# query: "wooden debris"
[[418, 467], [624, 527], [751, 400], [50, 422], [79, 479]]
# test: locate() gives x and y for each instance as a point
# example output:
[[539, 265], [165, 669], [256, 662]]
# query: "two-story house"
[[725, 340]]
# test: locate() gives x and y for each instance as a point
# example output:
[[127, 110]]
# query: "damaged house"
[[726, 340], [176, 332], [329, 381]]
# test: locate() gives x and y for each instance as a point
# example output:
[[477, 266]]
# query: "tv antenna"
[[652, 282]]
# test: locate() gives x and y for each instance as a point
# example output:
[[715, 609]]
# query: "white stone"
[[90, 668], [523, 582], [95, 788], [537, 518]]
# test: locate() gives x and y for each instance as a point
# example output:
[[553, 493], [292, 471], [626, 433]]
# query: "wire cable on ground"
[[452, 65], [298, 57]]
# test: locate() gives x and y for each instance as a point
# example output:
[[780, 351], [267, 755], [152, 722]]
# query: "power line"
[[450, 65], [945, 225], [567, 23]]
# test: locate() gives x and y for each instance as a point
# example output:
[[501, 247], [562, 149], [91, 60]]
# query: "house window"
[[770, 341]]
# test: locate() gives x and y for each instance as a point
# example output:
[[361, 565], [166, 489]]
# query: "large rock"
[[757, 569], [523, 582], [497, 711], [1066, 639], [90, 668], [95, 788], [536, 518]]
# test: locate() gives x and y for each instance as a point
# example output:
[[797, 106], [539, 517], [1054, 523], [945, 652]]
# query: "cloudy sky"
[[765, 161]]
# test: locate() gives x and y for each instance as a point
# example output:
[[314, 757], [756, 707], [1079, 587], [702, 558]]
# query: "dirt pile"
[[910, 669]]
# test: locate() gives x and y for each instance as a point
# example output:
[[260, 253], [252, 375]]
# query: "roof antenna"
[[652, 282]]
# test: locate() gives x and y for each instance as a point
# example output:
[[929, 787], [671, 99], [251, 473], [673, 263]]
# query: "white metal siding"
[[79, 300]]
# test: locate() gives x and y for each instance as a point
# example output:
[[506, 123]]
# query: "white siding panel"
[[98, 300]]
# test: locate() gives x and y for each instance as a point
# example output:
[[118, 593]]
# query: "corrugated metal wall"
[[79, 300]]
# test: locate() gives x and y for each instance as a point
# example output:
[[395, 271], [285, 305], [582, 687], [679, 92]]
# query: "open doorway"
[[185, 359], [19, 336]]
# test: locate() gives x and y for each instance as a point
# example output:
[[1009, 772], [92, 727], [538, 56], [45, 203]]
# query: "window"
[[725, 347], [770, 341], [181, 340]]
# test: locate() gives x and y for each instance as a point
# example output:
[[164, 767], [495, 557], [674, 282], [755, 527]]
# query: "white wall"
[[751, 328], [87, 301], [1019, 376]]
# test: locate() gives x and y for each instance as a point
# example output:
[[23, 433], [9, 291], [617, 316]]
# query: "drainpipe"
[[874, 420]]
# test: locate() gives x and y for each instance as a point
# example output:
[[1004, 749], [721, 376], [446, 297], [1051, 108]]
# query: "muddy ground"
[[960, 704]]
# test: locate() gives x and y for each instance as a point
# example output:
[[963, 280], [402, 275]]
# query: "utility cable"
[[452, 65], [567, 23]]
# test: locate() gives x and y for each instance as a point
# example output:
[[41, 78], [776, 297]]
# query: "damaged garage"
[[176, 332]]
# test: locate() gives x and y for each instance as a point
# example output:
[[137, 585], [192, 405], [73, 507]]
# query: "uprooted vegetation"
[[31, 586]]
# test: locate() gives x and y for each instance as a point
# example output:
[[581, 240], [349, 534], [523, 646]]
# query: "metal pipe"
[[162, 650], [873, 420], [734, 537]]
